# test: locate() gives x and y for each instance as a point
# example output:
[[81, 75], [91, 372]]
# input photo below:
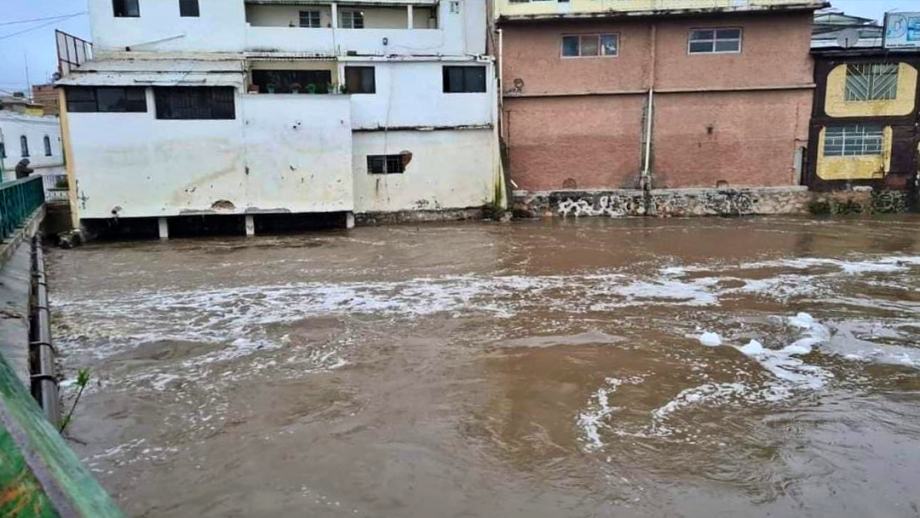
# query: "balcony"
[[338, 29]]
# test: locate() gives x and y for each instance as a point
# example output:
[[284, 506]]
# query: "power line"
[[52, 22], [14, 22]]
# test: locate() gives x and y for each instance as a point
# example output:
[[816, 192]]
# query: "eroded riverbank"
[[532, 369]]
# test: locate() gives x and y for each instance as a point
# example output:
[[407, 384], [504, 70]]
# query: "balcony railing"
[[18, 201]]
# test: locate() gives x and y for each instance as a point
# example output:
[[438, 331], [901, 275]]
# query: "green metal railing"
[[18, 201]]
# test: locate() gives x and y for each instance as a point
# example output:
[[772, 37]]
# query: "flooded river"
[[642, 367]]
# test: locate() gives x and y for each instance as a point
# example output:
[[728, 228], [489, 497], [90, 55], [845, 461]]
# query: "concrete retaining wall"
[[706, 202]]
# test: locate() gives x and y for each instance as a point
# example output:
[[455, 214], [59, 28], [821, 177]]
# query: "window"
[[590, 45], [715, 41], [110, 99], [360, 80], [286, 81], [853, 140], [351, 19], [188, 8], [310, 19], [126, 8], [24, 145], [2, 150], [464, 79], [872, 82], [385, 164], [194, 102], [47, 142]]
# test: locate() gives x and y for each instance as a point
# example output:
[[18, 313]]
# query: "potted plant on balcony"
[[253, 88], [295, 88], [271, 87], [311, 88]]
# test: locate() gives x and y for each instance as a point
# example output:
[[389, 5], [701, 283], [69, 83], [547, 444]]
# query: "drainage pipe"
[[44, 381]]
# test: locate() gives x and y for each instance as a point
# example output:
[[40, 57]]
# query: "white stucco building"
[[35, 137], [248, 107]]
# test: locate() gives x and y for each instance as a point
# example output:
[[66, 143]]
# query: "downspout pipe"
[[646, 180]]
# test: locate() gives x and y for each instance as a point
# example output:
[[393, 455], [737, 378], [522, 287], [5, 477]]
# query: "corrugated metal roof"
[[392, 3], [157, 72]]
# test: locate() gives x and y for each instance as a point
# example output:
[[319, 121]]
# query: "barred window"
[[194, 102], [310, 19], [715, 41], [872, 82], [853, 140], [385, 164]]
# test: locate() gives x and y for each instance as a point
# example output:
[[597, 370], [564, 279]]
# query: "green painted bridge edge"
[[39, 474]]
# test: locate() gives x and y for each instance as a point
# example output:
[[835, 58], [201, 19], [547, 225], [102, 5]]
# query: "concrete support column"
[[409, 16], [163, 227], [335, 15], [349, 220], [250, 225]]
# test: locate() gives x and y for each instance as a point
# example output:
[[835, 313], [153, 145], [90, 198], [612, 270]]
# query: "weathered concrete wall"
[[449, 169], [733, 118], [281, 153], [743, 139], [706, 202], [574, 142], [411, 94]]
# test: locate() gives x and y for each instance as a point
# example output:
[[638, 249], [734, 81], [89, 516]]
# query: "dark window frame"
[[385, 164], [465, 83], [24, 146], [362, 80], [46, 140], [310, 18], [194, 102], [126, 8], [88, 99], [355, 17], [2, 150], [189, 9], [283, 80], [599, 45]]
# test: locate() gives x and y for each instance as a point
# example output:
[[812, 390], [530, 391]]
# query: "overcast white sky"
[[37, 46]]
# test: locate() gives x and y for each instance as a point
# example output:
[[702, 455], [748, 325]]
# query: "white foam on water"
[[591, 421], [710, 339], [709, 393]]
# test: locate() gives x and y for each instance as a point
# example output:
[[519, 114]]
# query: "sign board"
[[902, 30]]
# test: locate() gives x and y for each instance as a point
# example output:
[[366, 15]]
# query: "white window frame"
[[874, 133], [350, 18], [599, 46], [715, 40]]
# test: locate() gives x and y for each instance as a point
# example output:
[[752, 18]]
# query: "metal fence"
[[56, 189], [18, 201]]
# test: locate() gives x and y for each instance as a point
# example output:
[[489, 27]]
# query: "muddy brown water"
[[533, 369]]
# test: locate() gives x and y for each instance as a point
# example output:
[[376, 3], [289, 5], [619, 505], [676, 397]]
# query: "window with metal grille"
[[109, 99], [590, 45], [24, 145], [714, 41], [360, 80], [872, 82], [126, 8], [47, 142], [287, 81], [853, 140], [351, 19], [464, 79], [188, 8], [310, 19], [385, 164], [194, 102]]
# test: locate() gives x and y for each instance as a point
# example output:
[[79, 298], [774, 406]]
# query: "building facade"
[[631, 94], [864, 127], [249, 107], [25, 133]]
